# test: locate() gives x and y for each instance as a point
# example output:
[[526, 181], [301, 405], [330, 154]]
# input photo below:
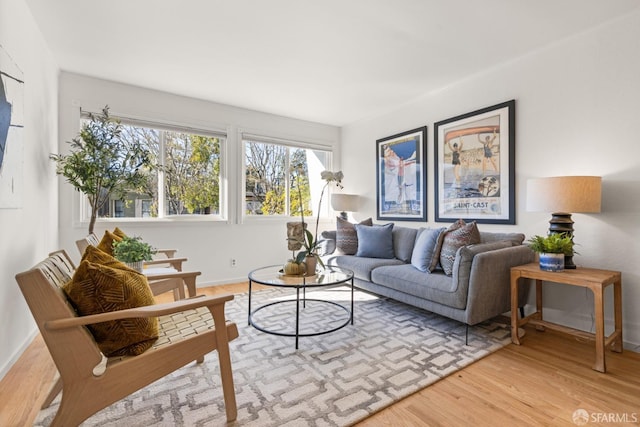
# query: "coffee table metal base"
[[297, 333], [340, 277]]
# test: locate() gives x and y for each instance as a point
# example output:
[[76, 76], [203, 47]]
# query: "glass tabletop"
[[273, 275]]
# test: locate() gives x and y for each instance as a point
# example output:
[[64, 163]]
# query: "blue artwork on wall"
[[5, 120], [11, 131]]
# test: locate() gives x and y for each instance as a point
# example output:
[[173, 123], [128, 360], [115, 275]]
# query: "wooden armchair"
[[160, 279], [89, 380], [166, 258]]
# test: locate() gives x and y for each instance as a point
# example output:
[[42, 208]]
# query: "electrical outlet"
[[233, 262]]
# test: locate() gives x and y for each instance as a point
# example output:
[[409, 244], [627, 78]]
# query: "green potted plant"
[[552, 248], [102, 163], [133, 252]]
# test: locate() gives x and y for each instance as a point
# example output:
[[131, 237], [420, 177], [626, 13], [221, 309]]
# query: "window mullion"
[[287, 183], [161, 174]]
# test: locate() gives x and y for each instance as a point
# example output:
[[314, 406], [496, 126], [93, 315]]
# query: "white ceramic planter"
[[136, 265]]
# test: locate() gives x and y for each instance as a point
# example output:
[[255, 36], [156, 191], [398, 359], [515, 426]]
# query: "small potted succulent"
[[133, 252], [552, 248]]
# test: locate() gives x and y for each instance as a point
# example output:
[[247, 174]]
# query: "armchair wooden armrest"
[[165, 281], [146, 311], [173, 262], [169, 253]]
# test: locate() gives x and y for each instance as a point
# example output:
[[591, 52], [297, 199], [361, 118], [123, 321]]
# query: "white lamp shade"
[[344, 202], [570, 194]]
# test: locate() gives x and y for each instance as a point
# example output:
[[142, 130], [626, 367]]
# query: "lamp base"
[[344, 215], [562, 223]]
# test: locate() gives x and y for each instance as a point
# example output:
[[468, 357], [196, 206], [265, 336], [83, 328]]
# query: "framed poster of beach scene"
[[401, 176], [475, 166]]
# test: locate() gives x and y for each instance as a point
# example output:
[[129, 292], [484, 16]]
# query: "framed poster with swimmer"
[[401, 176], [474, 156]]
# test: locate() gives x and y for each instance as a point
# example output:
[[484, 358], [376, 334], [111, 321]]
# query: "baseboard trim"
[[16, 355]]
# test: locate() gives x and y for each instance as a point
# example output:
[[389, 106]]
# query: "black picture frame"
[[474, 157], [401, 176]]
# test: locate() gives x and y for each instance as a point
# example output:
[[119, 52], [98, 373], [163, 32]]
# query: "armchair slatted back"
[[73, 349]]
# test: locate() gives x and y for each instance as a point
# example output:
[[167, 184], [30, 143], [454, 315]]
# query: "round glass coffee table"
[[327, 277]]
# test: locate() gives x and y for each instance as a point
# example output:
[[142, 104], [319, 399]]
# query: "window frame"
[[83, 210], [265, 138]]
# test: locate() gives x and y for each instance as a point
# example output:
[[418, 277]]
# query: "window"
[[187, 181], [278, 174]]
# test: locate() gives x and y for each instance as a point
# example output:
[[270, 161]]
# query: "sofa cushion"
[[327, 242], [425, 248], [346, 236], [436, 287], [514, 238], [99, 288], [464, 257], [361, 267], [404, 239], [375, 241]]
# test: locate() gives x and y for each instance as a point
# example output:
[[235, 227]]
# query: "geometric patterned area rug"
[[391, 351]]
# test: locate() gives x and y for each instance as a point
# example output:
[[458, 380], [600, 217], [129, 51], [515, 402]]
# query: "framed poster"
[[401, 176], [475, 166]]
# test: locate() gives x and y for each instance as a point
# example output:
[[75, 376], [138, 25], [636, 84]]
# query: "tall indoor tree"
[[104, 165]]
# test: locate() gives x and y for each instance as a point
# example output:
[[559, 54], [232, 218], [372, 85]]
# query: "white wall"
[[27, 234], [577, 109], [209, 246]]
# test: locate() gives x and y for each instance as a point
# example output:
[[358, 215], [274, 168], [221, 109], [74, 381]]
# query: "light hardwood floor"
[[540, 383]]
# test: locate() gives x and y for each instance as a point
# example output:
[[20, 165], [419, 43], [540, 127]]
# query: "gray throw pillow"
[[404, 239], [424, 250], [375, 241]]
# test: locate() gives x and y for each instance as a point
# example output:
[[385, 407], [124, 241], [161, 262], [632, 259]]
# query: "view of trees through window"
[[187, 181], [277, 177]]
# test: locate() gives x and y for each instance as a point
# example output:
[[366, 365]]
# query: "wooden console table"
[[596, 280]]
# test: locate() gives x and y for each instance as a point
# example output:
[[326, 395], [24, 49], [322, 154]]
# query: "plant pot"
[[551, 262], [137, 266], [311, 262]]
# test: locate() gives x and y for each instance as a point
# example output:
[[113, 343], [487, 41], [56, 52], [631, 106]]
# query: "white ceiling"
[[328, 61]]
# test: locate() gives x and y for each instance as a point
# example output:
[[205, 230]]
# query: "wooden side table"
[[596, 280]]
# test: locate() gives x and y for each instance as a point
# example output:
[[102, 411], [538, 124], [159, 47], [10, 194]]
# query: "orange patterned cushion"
[[102, 284], [119, 233], [106, 244]]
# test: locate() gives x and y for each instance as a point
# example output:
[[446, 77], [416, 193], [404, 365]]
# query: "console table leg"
[[617, 308], [599, 321], [539, 304], [514, 303]]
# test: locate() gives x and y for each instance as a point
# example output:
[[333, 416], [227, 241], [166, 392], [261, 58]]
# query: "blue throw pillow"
[[424, 250], [375, 241]]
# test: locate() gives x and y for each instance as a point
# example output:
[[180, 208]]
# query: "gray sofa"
[[478, 288]]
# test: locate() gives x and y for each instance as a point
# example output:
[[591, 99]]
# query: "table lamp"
[[344, 203], [563, 195]]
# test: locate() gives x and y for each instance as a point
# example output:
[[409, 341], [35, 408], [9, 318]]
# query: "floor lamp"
[[563, 195]]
